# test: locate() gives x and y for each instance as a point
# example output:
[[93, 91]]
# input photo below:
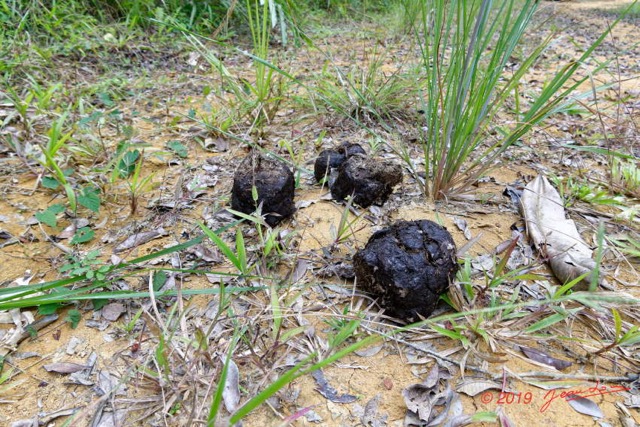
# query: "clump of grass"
[[465, 48], [366, 93], [252, 102], [625, 177]]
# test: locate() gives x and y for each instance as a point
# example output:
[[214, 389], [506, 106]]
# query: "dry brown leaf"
[[418, 399], [462, 226], [369, 351], [474, 387], [139, 239], [326, 390], [554, 235], [584, 406], [68, 232], [112, 311], [65, 367], [542, 357], [504, 420], [553, 384], [371, 417], [231, 392]]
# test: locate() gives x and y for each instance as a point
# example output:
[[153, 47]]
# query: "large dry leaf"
[[584, 406], [139, 239], [475, 387], [371, 417], [432, 402], [554, 235], [112, 311], [65, 367]]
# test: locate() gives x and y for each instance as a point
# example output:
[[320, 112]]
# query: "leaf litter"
[[189, 366]]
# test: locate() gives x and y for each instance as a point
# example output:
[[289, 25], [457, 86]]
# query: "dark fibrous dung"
[[274, 183], [407, 266], [368, 180]]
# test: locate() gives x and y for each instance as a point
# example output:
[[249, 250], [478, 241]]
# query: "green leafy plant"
[[138, 185], [587, 192], [130, 326], [127, 164], [621, 338], [56, 140], [300, 369], [237, 258], [88, 266], [73, 318], [628, 245], [267, 87], [21, 105], [58, 292], [82, 235], [343, 328], [259, 99], [49, 216], [297, 157], [89, 197], [178, 148], [625, 177]]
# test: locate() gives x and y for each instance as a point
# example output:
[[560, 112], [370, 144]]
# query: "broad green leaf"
[[159, 279], [128, 163], [177, 147], [50, 182], [106, 99], [73, 317], [46, 309], [83, 235], [99, 303], [48, 216], [90, 198]]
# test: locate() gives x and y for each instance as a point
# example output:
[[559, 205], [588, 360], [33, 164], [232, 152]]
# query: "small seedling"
[[346, 227], [138, 185], [82, 235], [73, 318], [178, 148], [130, 326], [626, 338], [49, 216], [89, 267], [56, 141], [239, 258]]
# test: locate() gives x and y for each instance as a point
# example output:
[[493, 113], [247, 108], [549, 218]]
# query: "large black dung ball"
[[274, 183], [407, 266], [367, 180]]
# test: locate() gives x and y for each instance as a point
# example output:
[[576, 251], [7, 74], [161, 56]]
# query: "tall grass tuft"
[[465, 49]]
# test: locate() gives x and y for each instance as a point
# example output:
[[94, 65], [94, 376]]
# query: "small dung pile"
[[330, 160], [369, 181], [274, 183], [407, 266], [352, 173]]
